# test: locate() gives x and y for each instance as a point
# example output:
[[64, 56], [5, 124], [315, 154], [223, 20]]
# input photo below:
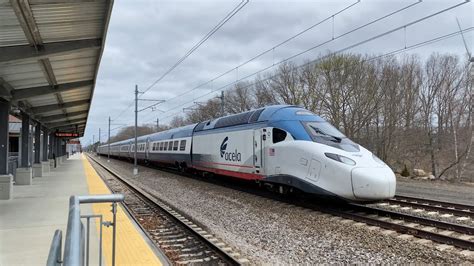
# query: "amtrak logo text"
[[229, 156]]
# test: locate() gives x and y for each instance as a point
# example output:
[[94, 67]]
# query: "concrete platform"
[[29, 219]]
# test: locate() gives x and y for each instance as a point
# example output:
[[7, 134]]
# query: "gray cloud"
[[146, 37]]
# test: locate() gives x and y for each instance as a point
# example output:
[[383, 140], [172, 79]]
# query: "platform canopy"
[[50, 52]]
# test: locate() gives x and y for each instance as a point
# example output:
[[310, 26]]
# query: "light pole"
[[99, 143]]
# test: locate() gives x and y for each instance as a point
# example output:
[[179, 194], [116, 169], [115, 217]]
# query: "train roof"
[[266, 114], [269, 113]]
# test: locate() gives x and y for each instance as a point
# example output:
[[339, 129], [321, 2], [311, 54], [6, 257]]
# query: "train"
[[285, 148]]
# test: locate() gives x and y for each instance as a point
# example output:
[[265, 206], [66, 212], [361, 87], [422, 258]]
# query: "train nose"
[[373, 183]]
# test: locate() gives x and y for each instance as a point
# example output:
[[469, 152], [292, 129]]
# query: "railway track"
[[444, 233], [434, 205], [456, 235], [182, 241]]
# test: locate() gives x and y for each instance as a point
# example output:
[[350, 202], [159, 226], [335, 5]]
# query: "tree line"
[[411, 113]]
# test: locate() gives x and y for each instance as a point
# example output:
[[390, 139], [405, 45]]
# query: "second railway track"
[[181, 240], [456, 209]]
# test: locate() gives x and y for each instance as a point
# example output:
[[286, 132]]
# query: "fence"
[[76, 249]]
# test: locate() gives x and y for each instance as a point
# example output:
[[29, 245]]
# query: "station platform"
[[29, 220]]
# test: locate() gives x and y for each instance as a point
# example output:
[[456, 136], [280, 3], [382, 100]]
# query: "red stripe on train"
[[227, 164], [248, 176]]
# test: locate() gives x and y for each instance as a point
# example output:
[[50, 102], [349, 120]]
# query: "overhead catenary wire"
[[352, 46], [334, 38], [270, 49], [394, 52], [194, 48], [328, 41], [198, 44], [295, 36], [391, 53], [291, 38]]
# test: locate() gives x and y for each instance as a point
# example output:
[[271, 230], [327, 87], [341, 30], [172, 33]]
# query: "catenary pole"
[[98, 145], [108, 144], [135, 168]]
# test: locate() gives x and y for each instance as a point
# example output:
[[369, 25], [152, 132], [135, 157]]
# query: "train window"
[[162, 146], [278, 135], [165, 146], [182, 145], [175, 145], [170, 145]]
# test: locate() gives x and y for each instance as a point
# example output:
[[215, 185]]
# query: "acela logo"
[[229, 156], [224, 146]]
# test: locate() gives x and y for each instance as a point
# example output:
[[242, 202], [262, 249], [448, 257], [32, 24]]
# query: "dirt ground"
[[460, 192]]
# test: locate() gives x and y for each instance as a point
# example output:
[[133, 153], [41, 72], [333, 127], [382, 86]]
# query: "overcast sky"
[[145, 38]]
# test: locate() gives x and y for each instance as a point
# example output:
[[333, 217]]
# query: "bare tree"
[[239, 99]]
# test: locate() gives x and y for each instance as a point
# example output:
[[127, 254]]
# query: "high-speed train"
[[286, 148]]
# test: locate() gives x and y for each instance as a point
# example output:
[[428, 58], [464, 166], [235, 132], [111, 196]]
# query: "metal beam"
[[5, 89], [53, 107], [67, 123], [72, 129], [27, 22], [42, 90], [25, 140], [44, 155], [4, 111], [52, 118], [37, 158], [15, 53]]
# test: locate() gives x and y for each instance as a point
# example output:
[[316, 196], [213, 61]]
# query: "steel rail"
[[429, 204], [228, 258], [457, 242], [462, 229]]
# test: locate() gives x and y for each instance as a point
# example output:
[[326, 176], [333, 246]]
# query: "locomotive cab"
[[317, 158]]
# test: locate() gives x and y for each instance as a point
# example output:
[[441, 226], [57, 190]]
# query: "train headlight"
[[340, 158], [377, 159]]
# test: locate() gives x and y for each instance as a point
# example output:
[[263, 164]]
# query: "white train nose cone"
[[373, 183]]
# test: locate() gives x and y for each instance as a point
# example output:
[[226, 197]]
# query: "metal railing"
[[76, 250]]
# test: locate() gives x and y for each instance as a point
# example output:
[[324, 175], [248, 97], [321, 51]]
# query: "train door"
[[259, 137]]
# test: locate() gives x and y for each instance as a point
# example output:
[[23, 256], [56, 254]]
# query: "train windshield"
[[325, 133]]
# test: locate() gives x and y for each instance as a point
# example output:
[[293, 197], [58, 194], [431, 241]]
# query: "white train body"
[[282, 146]]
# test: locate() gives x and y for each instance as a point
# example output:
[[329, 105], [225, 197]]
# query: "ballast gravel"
[[270, 232]]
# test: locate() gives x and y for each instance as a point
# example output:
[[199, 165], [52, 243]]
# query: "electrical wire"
[[332, 39], [394, 52], [347, 48], [196, 46]]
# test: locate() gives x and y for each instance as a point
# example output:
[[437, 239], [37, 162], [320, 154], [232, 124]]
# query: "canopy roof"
[[50, 52]]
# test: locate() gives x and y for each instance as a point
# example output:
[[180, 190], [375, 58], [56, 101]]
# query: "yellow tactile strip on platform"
[[131, 248]]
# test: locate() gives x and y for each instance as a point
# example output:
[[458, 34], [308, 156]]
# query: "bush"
[[405, 171]]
